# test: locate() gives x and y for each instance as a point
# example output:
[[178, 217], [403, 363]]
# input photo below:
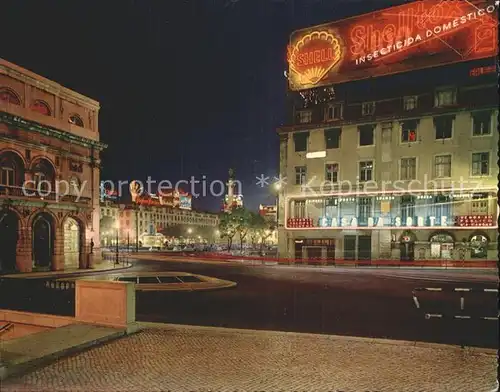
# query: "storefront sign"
[[417, 221], [417, 35]]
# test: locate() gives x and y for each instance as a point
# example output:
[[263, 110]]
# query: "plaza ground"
[[200, 359]]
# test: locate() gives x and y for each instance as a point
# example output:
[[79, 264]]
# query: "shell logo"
[[313, 56]]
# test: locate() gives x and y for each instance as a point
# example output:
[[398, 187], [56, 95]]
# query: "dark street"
[[367, 303]]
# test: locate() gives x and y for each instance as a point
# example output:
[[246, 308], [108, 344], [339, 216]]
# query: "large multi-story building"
[[49, 173], [134, 220], [398, 166], [381, 174]]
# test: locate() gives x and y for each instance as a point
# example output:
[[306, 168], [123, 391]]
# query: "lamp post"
[[128, 241], [277, 189], [136, 207], [117, 225]]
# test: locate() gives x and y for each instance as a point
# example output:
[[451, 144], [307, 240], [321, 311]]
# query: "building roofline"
[[20, 73]]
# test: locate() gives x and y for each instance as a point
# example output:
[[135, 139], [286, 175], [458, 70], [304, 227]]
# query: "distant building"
[[134, 220], [233, 197], [49, 173]]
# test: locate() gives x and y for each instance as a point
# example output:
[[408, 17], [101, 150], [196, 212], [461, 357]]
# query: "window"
[[332, 172], [299, 209], [407, 207], [442, 166], [408, 169], [300, 141], [480, 164], [445, 98], [300, 175], [443, 126], [334, 112], [41, 107], [386, 132], [75, 119], [9, 96], [366, 135], [409, 131], [441, 206], [365, 209], [332, 138], [366, 171], [367, 108], [481, 123], [410, 103], [305, 117], [7, 175], [479, 204]]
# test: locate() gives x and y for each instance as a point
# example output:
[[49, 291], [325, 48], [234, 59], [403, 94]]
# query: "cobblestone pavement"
[[198, 359]]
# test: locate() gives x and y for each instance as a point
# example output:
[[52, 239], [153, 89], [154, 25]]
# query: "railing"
[[19, 191], [38, 296]]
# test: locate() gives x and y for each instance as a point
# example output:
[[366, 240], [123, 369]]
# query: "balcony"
[[17, 192]]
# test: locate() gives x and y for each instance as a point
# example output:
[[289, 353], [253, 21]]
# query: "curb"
[[29, 275], [408, 343], [7, 371]]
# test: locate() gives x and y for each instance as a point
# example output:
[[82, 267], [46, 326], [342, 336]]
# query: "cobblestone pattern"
[[197, 360]]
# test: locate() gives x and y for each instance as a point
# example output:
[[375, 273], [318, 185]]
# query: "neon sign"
[[428, 33]]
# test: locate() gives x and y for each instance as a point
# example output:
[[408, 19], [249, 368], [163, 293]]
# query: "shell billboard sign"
[[421, 34]]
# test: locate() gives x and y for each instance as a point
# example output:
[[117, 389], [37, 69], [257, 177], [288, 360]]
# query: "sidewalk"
[[183, 358], [100, 265]]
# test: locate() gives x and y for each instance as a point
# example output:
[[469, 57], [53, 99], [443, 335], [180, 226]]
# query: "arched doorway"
[[43, 240], [442, 244], [478, 243], [9, 224], [407, 245], [72, 242]]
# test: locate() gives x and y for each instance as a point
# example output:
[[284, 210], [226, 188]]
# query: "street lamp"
[[117, 226], [128, 241]]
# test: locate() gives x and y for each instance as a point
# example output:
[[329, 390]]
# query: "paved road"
[[356, 302]]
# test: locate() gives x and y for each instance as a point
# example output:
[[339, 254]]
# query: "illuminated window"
[[300, 175], [332, 172], [300, 141], [305, 117], [366, 171], [41, 107], [409, 131], [364, 209], [9, 96], [410, 103], [75, 119], [408, 169], [442, 166], [334, 112], [445, 98], [299, 209], [481, 123], [481, 164], [367, 108]]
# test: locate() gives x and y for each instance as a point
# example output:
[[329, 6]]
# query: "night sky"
[[198, 79]]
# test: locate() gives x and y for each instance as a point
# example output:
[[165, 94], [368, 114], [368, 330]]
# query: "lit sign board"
[[417, 35], [185, 202]]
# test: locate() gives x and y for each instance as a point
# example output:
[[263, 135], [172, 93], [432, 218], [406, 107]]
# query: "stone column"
[[24, 258], [58, 257]]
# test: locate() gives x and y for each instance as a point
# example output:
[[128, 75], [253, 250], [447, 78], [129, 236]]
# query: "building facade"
[[132, 221], [49, 173], [404, 172]]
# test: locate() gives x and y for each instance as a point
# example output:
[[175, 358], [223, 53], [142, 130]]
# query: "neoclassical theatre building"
[[49, 174]]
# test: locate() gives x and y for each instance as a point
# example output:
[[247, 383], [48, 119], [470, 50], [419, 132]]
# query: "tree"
[[262, 228], [228, 228], [242, 219]]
